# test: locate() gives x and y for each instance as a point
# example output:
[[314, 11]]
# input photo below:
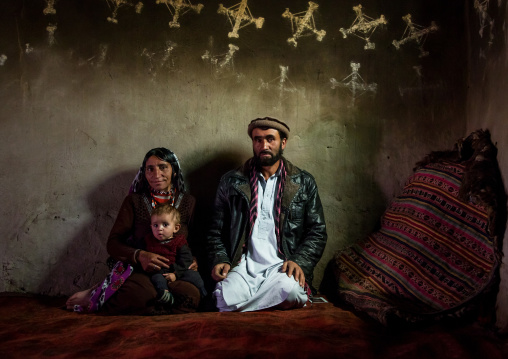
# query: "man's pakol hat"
[[270, 123]]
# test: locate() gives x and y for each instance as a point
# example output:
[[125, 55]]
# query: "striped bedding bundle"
[[432, 254]]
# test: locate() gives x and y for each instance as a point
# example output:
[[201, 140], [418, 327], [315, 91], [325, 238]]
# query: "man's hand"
[[151, 262], [220, 271], [291, 268]]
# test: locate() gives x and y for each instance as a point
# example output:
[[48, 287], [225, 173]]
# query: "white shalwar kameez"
[[258, 282]]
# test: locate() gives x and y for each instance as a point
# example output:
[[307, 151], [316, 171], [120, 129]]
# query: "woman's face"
[[158, 173]]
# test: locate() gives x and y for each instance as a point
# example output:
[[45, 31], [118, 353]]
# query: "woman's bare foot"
[[79, 298]]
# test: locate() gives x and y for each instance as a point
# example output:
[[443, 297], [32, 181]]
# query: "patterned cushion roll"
[[432, 254]]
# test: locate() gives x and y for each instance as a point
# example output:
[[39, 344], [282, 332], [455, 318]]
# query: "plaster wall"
[[486, 105], [80, 110]]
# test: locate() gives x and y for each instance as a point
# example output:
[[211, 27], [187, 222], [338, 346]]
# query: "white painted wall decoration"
[[417, 83], [51, 28], [282, 84], [178, 8], [50, 8], [160, 58], [416, 33], [363, 27], [482, 9], [99, 59], [28, 48], [302, 24], [354, 83], [96, 60], [115, 5], [223, 65], [420, 86], [239, 16]]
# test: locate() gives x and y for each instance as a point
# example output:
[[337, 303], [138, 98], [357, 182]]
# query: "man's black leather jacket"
[[302, 221]]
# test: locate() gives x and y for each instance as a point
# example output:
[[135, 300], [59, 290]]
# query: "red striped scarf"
[[162, 197]]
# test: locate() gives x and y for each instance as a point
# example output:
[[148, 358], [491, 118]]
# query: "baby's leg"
[[166, 298], [161, 286], [194, 277]]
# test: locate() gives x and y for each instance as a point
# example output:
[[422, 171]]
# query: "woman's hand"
[[170, 277], [151, 262], [194, 264]]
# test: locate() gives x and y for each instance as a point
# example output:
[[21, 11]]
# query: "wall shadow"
[[83, 262], [202, 183]]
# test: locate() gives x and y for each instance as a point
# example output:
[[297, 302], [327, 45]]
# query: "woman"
[[129, 290]]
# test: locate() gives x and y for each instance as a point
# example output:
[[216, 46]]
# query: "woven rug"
[[433, 254], [37, 327]]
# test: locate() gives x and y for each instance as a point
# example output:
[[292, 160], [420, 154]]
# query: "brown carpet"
[[39, 327]]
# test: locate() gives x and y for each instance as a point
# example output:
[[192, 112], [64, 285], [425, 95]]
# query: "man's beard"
[[268, 161]]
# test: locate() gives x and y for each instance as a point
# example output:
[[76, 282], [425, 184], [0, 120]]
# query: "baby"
[[165, 223]]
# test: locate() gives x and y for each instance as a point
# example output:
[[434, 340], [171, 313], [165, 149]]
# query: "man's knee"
[[218, 298], [295, 299]]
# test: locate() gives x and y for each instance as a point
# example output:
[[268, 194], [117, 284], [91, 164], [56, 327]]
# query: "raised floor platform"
[[38, 326]]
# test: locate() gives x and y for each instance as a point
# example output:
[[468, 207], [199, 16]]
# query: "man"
[[268, 230]]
